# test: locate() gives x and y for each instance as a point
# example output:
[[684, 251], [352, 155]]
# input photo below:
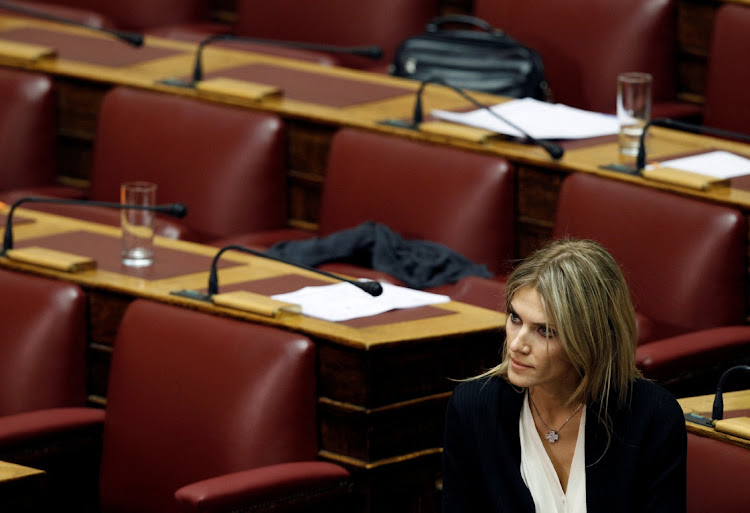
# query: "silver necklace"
[[552, 435]]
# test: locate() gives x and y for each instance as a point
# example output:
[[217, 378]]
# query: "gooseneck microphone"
[[131, 38], [554, 150], [640, 161], [177, 210], [718, 408], [371, 287], [370, 52]]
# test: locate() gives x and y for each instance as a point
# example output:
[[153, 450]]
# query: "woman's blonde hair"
[[586, 298]]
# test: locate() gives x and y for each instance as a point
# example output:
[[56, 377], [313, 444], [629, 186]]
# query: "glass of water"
[[633, 109]]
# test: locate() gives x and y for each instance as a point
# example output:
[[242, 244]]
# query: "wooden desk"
[[383, 382], [703, 405], [20, 488]]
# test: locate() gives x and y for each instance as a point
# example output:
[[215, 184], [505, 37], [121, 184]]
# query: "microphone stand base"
[[621, 168], [192, 294], [399, 123], [176, 82]]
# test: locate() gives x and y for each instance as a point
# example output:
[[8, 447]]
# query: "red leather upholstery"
[[143, 14], [727, 102], [585, 44], [716, 476], [85, 16], [684, 259], [461, 199], [225, 164], [28, 129], [337, 22], [705, 354], [216, 413], [43, 341], [193, 396]]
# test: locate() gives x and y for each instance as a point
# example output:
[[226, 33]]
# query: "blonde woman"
[[565, 423]]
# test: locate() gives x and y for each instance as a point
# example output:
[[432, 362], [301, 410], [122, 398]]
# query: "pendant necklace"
[[552, 435]]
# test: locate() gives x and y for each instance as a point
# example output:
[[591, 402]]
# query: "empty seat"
[[460, 199], [28, 129], [43, 343], [202, 410], [384, 23], [684, 259], [727, 102], [143, 14], [716, 476], [585, 44], [225, 164]]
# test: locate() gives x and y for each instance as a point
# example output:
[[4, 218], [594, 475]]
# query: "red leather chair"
[[28, 129], [727, 102], [460, 199], [204, 413], [43, 340], [143, 14], [585, 44], [385, 23], [684, 259], [225, 164], [692, 363], [716, 476], [79, 15]]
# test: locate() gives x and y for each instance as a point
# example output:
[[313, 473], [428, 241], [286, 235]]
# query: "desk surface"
[[372, 98], [738, 401], [52, 231]]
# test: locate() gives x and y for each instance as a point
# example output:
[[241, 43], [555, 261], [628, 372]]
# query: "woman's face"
[[535, 353]]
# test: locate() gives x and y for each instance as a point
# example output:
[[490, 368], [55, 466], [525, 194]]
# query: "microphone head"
[[555, 150], [371, 287], [371, 52], [177, 210], [132, 38]]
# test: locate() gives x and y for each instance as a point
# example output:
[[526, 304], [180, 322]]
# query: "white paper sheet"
[[344, 301], [539, 119], [719, 164]]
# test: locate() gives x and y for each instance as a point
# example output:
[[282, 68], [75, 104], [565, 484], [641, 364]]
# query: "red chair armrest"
[[699, 348], [28, 426], [290, 484]]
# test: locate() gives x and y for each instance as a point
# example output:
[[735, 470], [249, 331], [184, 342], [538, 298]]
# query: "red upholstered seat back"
[[143, 14], [684, 259], [28, 129], [225, 164], [192, 396], [727, 101], [337, 22], [43, 341], [716, 476], [585, 43], [461, 199]]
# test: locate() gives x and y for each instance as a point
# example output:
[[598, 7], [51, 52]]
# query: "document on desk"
[[343, 301], [539, 119], [717, 164]]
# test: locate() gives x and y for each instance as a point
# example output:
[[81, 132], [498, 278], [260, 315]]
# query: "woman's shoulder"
[[487, 391], [648, 396]]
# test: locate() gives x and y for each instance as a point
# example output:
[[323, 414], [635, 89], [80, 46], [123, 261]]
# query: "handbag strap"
[[436, 24]]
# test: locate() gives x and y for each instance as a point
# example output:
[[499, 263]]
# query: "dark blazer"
[[642, 470]]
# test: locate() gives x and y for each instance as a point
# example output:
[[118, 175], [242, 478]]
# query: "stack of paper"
[[539, 119], [344, 301]]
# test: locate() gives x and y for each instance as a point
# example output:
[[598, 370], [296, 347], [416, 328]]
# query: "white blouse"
[[539, 474]]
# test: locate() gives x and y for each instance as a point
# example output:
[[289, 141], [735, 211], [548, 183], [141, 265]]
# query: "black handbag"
[[486, 60]]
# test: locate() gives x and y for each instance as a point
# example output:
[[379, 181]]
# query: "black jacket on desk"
[[643, 469]]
